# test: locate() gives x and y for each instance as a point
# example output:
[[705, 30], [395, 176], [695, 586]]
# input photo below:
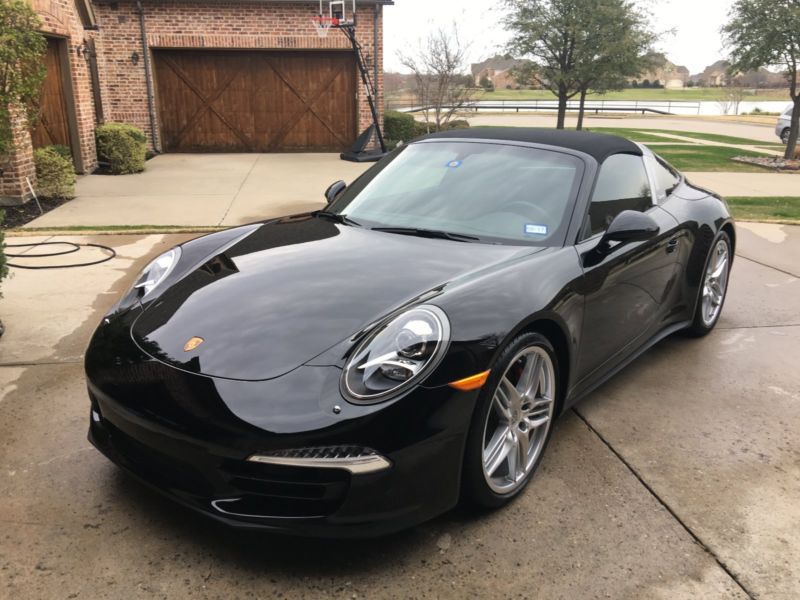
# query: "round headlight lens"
[[397, 354], [154, 273]]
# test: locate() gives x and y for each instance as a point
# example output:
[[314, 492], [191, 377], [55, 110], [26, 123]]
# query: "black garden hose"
[[72, 247]]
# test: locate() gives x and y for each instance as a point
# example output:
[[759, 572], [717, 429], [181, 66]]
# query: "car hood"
[[292, 289]]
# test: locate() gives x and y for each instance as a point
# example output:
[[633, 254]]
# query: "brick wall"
[[17, 166], [59, 19], [217, 24]]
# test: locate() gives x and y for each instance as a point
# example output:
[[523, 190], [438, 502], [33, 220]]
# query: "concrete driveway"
[[204, 189], [678, 479]]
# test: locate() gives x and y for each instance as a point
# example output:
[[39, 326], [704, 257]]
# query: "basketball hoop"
[[323, 25]]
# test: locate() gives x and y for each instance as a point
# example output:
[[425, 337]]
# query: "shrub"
[[392, 144], [399, 126], [421, 128], [63, 151], [457, 124], [55, 176], [122, 146]]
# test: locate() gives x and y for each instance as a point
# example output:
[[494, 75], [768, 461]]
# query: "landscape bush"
[[457, 124], [123, 147], [421, 128], [399, 126], [62, 151], [55, 176]]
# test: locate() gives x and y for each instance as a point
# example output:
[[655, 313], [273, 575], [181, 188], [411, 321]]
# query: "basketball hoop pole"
[[350, 31], [339, 18]]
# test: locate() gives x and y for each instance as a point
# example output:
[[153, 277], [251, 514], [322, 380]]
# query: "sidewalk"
[[747, 184]]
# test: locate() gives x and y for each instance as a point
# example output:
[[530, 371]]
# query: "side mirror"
[[629, 226], [334, 190]]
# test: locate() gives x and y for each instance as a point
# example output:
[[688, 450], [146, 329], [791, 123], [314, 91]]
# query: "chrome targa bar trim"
[[357, 465]]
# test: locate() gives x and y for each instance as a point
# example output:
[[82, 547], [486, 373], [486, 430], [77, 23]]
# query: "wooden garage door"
[[236, 101], [52, 126]]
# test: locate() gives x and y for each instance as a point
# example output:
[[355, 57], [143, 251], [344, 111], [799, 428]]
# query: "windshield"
[[493, 192], [788, 111]]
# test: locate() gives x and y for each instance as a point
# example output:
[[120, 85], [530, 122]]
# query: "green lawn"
[[638, 135], [783, 208], [706, 158]]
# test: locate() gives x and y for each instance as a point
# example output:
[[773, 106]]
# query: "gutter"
[[148, 75]]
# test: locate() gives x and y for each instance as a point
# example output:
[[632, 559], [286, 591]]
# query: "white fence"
[[673, 107]]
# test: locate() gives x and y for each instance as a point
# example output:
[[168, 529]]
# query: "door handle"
[[672, 245]]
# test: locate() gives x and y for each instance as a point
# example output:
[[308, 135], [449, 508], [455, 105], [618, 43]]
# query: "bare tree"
[[438, 68]]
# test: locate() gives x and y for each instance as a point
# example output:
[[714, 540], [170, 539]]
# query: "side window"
[[622, 184], [666, 178]]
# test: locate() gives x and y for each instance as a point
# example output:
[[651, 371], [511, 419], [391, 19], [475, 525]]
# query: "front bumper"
[[190, 437]]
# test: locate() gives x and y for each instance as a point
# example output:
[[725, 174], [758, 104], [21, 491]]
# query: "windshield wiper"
[[429, 233], [337, 218]]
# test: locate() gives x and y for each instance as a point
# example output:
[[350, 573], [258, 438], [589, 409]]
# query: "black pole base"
[[359, 153], [363, 157]]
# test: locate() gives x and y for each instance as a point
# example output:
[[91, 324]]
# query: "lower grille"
[[278, 491]]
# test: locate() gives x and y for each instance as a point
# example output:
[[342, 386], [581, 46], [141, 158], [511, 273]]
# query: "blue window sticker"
[[535, 229], [454, 164]]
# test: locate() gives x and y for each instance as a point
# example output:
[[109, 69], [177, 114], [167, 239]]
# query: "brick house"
[[499, 71], [198, 76]]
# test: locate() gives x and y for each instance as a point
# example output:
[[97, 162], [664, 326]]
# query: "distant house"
[[499, 71], [714, 75], [664, 71], [717, 75]]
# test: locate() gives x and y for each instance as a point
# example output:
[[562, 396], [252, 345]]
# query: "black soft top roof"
[[597, 145]]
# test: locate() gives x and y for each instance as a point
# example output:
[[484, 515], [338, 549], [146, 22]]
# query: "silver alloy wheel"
[[715, 283], [518, 420]]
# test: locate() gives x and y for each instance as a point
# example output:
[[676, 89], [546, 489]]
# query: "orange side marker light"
[[470, 383]]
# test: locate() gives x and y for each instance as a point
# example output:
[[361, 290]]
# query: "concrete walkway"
[[748, 184], [231, 189], [677, 479]]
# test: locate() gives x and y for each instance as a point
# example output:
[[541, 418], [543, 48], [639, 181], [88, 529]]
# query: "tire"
[[707, 295], [785, 136], [484, 490]]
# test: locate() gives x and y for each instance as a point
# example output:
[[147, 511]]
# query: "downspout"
[[151, 99]]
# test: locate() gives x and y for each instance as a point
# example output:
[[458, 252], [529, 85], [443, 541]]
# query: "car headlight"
[[154, 273], [397, 354]]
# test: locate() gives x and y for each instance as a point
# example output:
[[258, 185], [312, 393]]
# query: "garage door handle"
[[672, 245]]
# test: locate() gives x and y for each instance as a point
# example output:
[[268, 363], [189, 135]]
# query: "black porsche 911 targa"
[[357, 370]]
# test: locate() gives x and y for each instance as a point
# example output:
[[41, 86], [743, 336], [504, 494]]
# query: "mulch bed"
[[770, 162], [17, 216]]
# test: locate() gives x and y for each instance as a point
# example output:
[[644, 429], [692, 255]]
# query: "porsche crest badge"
[[192, 344]]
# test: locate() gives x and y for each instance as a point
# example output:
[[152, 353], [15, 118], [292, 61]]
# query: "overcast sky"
[[695, 44]]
